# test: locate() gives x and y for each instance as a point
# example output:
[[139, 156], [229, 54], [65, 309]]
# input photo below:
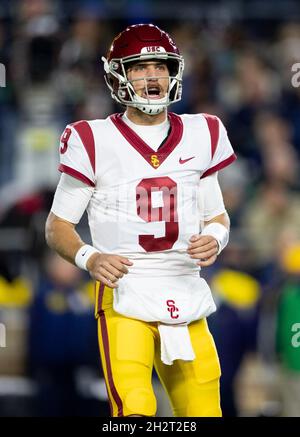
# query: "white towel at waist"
[[169, 300], [173, 302], [175, 343]]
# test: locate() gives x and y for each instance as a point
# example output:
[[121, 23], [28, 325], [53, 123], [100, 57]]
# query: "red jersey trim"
[[219, 166], [214, 130], [155, 159], [86, 135], [76, 174]]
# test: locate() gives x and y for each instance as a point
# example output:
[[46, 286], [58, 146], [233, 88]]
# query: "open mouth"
[[154, 92]]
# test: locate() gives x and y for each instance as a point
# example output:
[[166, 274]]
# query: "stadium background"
[[239, 58]]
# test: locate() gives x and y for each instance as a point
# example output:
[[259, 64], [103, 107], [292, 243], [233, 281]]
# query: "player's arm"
[[62, 237], [215, 234], [70, 201]]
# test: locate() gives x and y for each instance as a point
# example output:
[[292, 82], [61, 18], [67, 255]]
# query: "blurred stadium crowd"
[[239, 70]]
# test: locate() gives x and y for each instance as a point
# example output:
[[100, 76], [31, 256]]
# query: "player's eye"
[[138, 68], [161, 67]]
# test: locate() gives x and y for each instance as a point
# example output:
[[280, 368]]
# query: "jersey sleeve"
[[210, 198], [77, 152], [71, 198], [222, 153]]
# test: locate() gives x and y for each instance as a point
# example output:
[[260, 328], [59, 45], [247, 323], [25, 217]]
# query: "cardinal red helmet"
[[142, 42]]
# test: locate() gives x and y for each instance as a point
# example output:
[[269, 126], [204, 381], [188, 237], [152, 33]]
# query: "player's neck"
[[139, 117]]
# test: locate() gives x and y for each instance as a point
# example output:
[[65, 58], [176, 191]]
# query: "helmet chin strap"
[[150, 108]]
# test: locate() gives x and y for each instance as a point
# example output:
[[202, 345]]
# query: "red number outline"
[[64, 139], [167, 213]]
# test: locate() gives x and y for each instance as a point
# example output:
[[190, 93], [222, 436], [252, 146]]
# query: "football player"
[[148, 180]]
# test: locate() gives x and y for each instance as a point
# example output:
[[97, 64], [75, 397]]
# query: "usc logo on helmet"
[[155, 161], [153, 49]]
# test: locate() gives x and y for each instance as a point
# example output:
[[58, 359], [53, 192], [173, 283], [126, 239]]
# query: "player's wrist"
[[219, 232], [84, 256], [90, 264]]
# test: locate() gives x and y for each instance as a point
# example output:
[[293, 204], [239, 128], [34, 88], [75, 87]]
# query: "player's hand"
[[205, 248], [108, 269]]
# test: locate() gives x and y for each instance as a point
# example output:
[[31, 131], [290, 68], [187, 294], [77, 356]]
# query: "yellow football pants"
[[129, 348]]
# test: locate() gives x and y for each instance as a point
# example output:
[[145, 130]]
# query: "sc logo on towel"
[[172, 309]]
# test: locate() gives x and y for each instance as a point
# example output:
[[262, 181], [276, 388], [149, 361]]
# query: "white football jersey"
[[146, 205]]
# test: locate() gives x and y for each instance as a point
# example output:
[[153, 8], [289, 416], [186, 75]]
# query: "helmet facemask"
[[122, 89]]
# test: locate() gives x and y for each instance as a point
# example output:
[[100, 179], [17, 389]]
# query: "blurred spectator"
[[253, 85], [286, 50], [279, 158], [273, 208], [235, 181], [34, 61], [62, 340], [80, 68], [287, 332], [234, 325]]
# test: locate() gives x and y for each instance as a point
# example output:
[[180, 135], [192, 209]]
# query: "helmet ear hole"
[[122, 94]]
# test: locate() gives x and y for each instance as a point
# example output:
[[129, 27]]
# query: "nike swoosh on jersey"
[[183, 161]]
